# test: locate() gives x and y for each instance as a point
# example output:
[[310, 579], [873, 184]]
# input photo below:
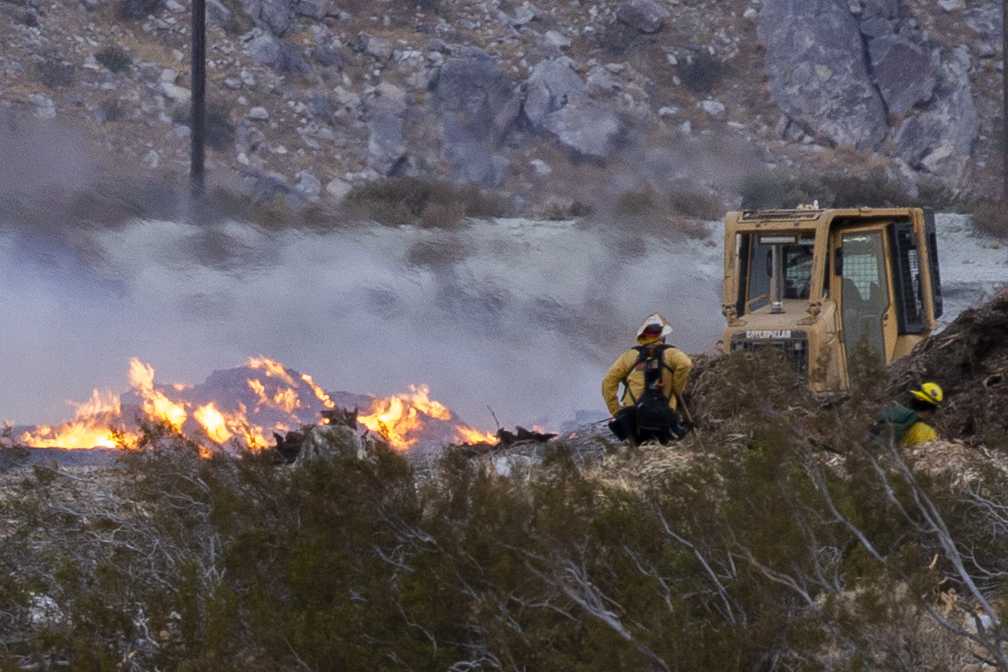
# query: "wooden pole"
[[1004, 102], [198, 114]]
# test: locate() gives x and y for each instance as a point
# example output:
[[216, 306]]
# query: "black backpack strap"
[[648, 353], [640, 357]]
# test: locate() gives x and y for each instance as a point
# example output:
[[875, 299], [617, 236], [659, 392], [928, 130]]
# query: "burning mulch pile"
[[969, 359]]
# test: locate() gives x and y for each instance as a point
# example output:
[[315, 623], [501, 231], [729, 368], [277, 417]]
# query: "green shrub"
[[114, 59]]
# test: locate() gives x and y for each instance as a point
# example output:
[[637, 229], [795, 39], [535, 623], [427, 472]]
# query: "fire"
[[213, 423], [81, 432], [320, 394], [272, 398], [401, 417], [466, 434], [155, 404], [273, 368], [285, 399]]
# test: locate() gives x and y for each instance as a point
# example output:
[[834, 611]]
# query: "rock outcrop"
[[273, 15], [326, 442], [386, 142], [557, 103], [586, 127], [647, 16], [904, 72], [550, 86], [818, 71], [479, 105], [940, 139]]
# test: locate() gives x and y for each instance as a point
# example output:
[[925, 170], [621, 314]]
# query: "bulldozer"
[[820, 285]]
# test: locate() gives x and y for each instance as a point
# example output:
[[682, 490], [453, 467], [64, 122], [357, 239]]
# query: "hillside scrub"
[[783, 540], [398, 201], [989, 217], [783, 189]]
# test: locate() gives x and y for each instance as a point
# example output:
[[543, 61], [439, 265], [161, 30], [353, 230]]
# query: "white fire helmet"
[[655, 320]]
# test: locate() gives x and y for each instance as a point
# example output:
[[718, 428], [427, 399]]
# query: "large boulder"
[[476, 94], [940, 139], [647, 16], [479, 105], [551, 85], [557, 102], [586, 127], [903, 72], [887, 9], [386, 140], [327, 442], [818, 71], [274, 15], [313, 9], [266, 49]]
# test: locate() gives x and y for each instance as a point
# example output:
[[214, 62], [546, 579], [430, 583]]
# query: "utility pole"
[[1004, 102], [198, 113]]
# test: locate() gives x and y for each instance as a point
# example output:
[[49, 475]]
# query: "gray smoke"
[[522, 316], [519, 315]]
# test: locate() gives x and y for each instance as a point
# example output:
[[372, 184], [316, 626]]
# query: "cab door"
[[865, 293]]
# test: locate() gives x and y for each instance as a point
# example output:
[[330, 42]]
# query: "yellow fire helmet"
[[929, 392]]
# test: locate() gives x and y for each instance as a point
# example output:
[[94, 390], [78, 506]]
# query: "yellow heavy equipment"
[[818, 283]]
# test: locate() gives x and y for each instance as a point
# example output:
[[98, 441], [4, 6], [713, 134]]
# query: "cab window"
[[756, 259]]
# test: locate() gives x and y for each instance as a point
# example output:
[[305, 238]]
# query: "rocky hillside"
[[580, 99]]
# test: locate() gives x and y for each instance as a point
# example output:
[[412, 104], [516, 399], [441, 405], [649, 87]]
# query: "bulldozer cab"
[[820, 285]]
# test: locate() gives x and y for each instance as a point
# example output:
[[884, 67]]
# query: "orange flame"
[[213, 423], [279, 392], [155, 404], [83, 432], [466, 434], [273, 368], [401, 417], [320, 394]]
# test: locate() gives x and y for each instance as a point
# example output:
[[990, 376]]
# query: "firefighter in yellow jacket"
[[653, 375]]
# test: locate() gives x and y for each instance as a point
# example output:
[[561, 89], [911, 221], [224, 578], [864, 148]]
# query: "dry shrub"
[[559, 209], [637, 203], [991, 218], [239, 21], [681, 212], [400, 201], [436, 253], [137, 10], [693, 203], [220, 130], [55, 73], [695, 229], [702, 72], [783, 189], [111, 110], [748, 553], [114, 59]]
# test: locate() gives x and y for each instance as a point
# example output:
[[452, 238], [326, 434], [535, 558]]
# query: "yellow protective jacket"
[[625, 366], [919, 434]]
